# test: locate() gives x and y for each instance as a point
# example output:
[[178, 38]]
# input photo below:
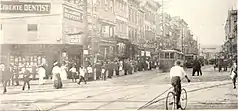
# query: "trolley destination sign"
[[24, 7]]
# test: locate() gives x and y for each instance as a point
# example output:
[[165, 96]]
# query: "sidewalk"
[[49, 81]]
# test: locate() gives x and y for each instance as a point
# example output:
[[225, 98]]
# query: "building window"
[[32, 27]]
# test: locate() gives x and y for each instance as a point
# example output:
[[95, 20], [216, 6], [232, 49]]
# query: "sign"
[[24, 7], [85, 52], [73, 15], [75, 39]]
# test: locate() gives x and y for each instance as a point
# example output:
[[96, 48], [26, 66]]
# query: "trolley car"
[[167, 59]]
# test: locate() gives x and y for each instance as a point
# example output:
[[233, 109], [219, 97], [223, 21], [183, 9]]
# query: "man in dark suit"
[[26, 79], [196, 66]]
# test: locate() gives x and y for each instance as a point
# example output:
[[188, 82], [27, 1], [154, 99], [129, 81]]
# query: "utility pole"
[[162, 19], [197, 46], [85, 36], [182, 40]]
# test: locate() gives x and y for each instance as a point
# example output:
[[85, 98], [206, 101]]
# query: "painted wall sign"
[[24, 7], [73, 15]]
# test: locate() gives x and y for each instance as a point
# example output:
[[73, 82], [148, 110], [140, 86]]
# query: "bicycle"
[[183, 100]]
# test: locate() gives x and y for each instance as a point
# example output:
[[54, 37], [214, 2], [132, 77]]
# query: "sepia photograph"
[[110, 55]]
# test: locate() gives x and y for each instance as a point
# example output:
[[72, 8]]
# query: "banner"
[[24, 7]]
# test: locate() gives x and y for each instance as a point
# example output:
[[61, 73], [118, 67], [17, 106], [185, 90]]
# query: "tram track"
[[111, 91], [149, 103]]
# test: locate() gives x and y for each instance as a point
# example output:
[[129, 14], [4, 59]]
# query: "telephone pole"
[[85, 36], [182, 40], [162, 18]]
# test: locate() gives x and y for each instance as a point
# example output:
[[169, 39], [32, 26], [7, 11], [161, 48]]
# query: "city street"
[[213, 90]]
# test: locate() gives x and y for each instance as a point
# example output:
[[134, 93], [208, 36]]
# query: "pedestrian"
[[117, 67], [56, 76], [34, 66], [73, 73], [196, 66], [130, 67], [200, 70], [4, 72], [135, 64], [41, 72], [16, 75], [63, 73], [82, 72], [121, 65], [89, 71], [125, 67], [26, 78], [110, 69], [98, 67], [11, 74], [233, 73], [104, 71]]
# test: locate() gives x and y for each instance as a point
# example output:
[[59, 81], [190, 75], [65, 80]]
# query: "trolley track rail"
[[151, 102]]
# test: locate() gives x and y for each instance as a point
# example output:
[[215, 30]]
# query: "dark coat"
[[26, 75], [5, 75], [196, 64]]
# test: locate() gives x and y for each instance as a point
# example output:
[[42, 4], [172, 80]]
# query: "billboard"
[[24, 7]]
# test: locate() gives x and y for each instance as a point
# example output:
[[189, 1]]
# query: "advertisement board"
[[24, 7], [74, 15]]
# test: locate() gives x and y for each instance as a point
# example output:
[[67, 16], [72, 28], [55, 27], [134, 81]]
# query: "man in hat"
[[26, 78]]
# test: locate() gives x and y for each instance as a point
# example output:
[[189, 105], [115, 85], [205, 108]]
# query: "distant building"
[[230, 46], [209, 51]]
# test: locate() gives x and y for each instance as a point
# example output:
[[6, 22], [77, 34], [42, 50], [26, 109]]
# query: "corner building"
[[35, 32]]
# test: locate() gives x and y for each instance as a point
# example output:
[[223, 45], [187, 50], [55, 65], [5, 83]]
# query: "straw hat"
[[55, 63]]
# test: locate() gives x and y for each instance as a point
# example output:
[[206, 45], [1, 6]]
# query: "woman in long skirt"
[[41, 73], [56, 76], [63, 73]]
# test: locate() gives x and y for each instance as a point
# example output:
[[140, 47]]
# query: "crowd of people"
[[60, 72]]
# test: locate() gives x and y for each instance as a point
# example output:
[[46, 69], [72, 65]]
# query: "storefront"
[[123, 48]]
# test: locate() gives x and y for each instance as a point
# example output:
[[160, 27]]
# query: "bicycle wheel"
[[183, 99], [170, 101]]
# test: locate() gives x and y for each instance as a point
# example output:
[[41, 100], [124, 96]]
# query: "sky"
[[206, 18]]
